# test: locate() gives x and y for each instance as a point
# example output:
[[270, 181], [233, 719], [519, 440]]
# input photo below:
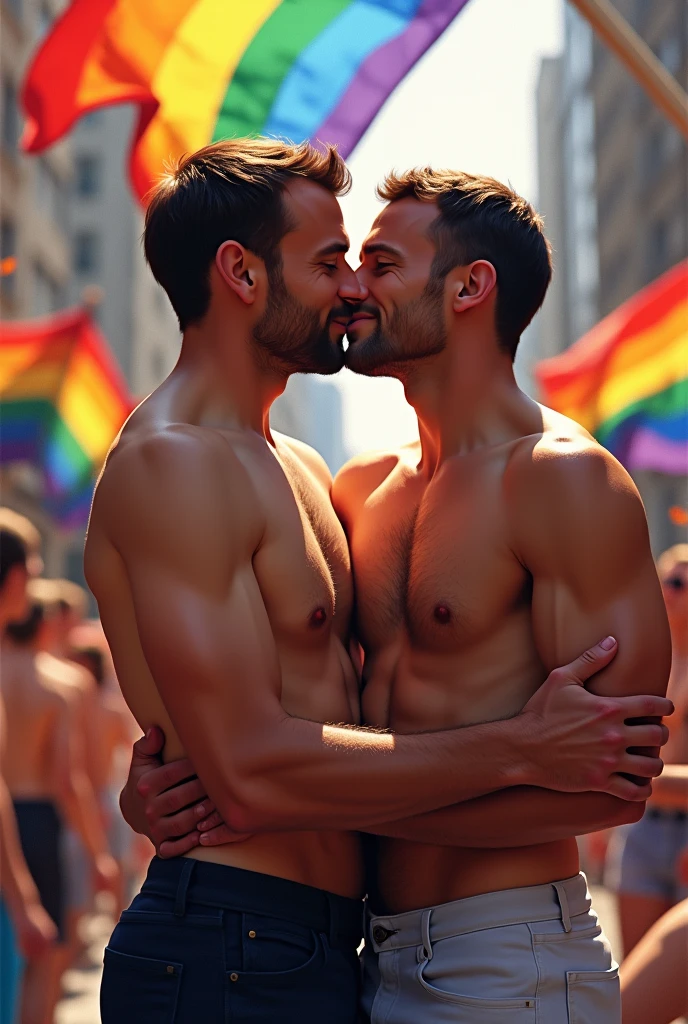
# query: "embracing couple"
[[352, 676]]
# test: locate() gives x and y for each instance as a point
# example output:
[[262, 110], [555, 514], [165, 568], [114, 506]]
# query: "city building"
[[311, 410], [613, 190]]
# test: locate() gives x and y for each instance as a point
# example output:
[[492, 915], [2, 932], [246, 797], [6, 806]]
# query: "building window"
[[669, 52], [86, 252], [88, 175], [92, 120], [8, 249], [10, 117], [51, 194], [657, 250]]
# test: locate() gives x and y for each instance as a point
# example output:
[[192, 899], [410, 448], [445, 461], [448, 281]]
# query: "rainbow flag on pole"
[[204, 70], [62, 402], [626, 380]]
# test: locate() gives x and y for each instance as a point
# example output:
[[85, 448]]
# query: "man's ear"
[[240, 269], [472, 285]]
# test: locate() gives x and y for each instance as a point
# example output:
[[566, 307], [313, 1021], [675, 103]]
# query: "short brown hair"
[[480, 218], [672, 558], [231, 189]]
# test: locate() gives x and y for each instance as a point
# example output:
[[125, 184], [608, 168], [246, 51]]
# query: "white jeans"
[[535, 955]]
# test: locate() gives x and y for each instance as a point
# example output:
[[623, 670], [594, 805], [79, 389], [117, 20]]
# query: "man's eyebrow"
[[370, 248], [332, 249]]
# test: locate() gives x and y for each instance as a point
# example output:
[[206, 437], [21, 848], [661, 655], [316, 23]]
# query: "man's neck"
[[464, 403], [222, 383]]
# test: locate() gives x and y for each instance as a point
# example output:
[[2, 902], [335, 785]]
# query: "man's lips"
[[359, 317]]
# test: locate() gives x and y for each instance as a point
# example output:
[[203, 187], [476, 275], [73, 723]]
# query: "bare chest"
[[302, 565], [432, 562]]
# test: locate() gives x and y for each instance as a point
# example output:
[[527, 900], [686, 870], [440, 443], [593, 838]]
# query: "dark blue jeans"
[[208, 944]]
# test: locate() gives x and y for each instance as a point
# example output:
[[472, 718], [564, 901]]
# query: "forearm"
[[319, 777], [523, 816], [16, 884]]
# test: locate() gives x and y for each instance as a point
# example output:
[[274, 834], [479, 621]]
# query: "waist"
[[326, 860], [560, 900], [186, 882], [412, 875], [36, 811]]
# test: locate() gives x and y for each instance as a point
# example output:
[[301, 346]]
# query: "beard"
[[289, 336], [415, 331]]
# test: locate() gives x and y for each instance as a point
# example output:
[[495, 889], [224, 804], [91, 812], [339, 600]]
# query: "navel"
[[442, 614], [318, 618]]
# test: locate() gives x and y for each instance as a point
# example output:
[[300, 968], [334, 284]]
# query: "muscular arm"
[[188, 550], [580, 530]]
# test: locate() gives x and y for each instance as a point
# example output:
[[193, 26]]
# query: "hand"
[[578, 742], [35, 930], [106, 874]]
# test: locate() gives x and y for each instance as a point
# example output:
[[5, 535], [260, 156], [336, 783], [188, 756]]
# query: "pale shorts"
[[535, 955], [647, 863]]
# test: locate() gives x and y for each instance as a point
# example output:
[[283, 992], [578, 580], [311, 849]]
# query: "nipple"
[[318, 618], [442, 614]]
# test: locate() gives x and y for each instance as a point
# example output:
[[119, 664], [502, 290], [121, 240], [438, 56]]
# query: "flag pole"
[[634, 52]]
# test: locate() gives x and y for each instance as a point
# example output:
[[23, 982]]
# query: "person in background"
[[654, 978], [44, 771], [115, 729], [26, 929], [83, 875], [644, 861]]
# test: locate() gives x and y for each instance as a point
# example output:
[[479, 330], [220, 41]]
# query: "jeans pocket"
[[593, 997], [137, 990], [471, 1009]]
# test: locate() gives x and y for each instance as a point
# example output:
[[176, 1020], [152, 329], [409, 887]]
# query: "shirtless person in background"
[[223, 580]]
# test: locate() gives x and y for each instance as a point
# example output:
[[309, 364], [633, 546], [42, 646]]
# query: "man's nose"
[[352, 289]]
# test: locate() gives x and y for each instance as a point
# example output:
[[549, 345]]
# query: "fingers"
[[644, 706], [177, 847], [149, 746], [175, 825], [645, 735], [176, 799], [211, 821], [220, 835], [624, 789], [157, 780], [591, 661], [642, 766]]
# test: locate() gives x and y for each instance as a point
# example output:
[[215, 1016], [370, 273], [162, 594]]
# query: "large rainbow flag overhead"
[[204, 70], [626, 381], [62, 402]]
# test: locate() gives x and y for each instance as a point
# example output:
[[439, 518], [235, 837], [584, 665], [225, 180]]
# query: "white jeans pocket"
[[593, 997]]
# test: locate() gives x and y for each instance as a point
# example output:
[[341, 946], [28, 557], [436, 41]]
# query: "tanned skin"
[[227, 604]]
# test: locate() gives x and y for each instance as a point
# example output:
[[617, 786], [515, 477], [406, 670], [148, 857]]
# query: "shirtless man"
[[26, 929], [45, 777], [650, 881], [223, 581]]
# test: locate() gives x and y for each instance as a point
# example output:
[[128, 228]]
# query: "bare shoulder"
[[571, 498], [361, 476], [311, 459], [58, 685], [179, 478]]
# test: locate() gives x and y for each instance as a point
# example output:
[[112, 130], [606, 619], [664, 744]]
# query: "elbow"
[[247, 806], [629, 812]]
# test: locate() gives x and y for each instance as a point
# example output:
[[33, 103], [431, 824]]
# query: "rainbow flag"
[[62, 402], [204, 70], [626, 380]]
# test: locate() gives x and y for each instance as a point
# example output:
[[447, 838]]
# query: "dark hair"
[[229, 190], [25, 631], [12, 552], [480, 218]]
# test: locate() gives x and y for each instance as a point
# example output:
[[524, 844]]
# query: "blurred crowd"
[[65, 743]]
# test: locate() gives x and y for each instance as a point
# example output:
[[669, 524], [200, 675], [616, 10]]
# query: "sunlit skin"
[[434, 674]]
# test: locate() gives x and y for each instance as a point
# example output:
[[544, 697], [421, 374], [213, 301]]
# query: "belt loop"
[[333, 934], [425, 933], [182, 886], [563, 905]]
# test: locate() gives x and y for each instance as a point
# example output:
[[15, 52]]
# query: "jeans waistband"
[[188, 882], [553, 901]]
